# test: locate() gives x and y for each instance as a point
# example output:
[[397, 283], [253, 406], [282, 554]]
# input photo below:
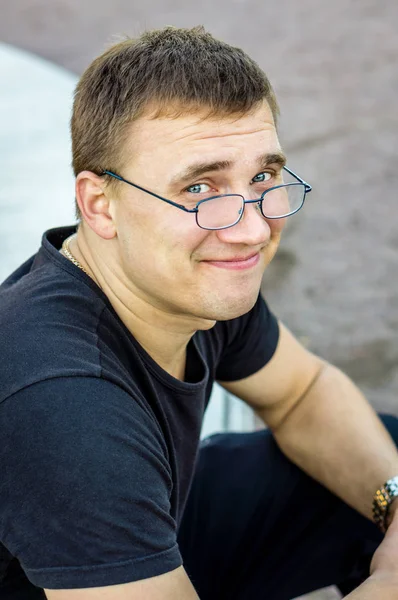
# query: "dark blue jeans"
[[256, 527]]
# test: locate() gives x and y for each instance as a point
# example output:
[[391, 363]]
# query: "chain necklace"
[[68, 253]]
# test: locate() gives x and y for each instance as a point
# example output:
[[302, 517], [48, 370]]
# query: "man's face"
[[166, 259]]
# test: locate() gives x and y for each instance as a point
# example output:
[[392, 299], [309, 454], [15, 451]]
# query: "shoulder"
[[49, 325], [79, 411]]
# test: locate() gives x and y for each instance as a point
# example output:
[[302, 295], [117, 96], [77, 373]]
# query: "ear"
[[94, 204]]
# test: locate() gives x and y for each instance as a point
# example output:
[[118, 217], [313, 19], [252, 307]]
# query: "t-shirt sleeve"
[[249, 343], [86, 485]]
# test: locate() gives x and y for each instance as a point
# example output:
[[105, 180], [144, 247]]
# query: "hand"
[[391, 511], [385, 559]]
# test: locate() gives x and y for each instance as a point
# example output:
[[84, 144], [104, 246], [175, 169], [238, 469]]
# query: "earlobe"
[[94, 204]]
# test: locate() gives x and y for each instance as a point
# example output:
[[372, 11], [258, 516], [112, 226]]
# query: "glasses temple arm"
[[181, 206]]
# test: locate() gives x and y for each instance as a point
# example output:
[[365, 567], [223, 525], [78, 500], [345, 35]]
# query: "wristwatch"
[[382, 501]]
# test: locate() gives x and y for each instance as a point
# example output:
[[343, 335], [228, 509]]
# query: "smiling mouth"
[[236, 258], [236, 263]]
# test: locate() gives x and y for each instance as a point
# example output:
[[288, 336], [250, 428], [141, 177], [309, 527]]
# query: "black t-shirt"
[[98, 443]]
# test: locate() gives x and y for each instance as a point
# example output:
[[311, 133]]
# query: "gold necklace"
[[68, 253]]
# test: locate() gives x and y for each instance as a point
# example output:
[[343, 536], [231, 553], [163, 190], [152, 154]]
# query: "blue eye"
[[261, 177], [197, 188]]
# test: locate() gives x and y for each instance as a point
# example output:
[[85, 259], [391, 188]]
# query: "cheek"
[[175, 239], [166, 234], [184, 242], [276, 226]]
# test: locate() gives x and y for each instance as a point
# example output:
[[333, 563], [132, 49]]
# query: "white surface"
[[226, 412], [36, 183]]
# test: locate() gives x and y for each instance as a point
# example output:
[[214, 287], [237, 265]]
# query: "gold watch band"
[[382, 501]]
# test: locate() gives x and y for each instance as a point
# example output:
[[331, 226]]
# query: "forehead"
[[195, 136]]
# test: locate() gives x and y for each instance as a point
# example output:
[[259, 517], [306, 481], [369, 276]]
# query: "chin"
[[224, 308]]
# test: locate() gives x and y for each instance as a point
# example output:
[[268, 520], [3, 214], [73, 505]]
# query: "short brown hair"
[[164, 72]]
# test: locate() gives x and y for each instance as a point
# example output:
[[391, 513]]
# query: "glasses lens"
[[283, 201], [220, 212]]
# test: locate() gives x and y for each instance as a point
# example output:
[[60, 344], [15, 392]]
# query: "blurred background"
[[334, 67]]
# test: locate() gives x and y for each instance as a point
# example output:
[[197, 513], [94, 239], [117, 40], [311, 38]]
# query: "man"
[[114, 332]]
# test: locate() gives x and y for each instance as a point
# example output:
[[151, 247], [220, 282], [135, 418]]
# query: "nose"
[[252, 229]]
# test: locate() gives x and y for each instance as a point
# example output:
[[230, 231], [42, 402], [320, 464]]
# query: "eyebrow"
[[197, 169]]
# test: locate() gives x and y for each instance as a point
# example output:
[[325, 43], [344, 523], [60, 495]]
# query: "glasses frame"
[[259, 201]]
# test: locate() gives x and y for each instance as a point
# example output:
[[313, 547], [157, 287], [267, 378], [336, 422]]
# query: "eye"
[[198, 188], [261, 177]]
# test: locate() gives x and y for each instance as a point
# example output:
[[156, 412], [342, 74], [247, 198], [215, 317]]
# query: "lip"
[[236, 264]]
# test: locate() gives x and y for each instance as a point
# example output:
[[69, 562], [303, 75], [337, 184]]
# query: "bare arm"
[[375, 588], [383, 582], [335, 436], [322, 422], [170, 586]]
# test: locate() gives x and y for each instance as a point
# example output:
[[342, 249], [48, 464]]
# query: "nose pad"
[[256, 206], [249, 229], [248, 206]]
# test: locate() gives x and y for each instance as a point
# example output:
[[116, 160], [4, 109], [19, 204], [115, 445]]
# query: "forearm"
[[382, 588], [334, 435]]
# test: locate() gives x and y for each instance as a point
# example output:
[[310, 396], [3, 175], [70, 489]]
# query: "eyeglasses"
[[221, 212]]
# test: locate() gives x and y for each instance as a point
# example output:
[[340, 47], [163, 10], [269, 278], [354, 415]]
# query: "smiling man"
[[112, 337]]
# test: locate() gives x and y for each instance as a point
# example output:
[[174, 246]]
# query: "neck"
[[163, 335]]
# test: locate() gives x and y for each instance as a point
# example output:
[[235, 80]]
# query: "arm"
[[163, 587], [375, 587], [383, 581], [98, 513], [322, 422]]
